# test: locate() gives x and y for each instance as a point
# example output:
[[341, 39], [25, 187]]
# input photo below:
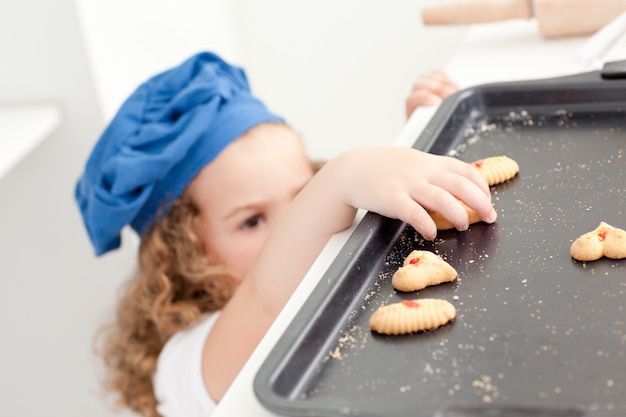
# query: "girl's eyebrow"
[[254, 206]]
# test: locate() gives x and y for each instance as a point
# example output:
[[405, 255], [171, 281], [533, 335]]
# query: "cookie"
[[497, 169], [443, 224], [410, 316], [421, 269], [605, 240]]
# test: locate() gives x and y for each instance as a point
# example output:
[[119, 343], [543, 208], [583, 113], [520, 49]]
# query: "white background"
[[338, 71]]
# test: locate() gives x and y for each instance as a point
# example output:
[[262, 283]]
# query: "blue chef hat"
[[162, 136]]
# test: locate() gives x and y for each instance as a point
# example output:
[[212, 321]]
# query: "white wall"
[[337, 70], [128, 41], [340, 70], [52, 291]]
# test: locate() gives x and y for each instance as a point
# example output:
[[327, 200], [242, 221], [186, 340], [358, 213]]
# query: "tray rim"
[[575, 85]]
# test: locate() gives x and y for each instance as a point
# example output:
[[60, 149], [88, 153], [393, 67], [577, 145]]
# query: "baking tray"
[[536, 333]]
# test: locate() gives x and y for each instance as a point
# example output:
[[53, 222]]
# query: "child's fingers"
[[444, 78], [410, 211], [429, 89], [469, 193], [468, 171], [437, 198], [421, 98], [437, 82], [432, 86], [427, 83]]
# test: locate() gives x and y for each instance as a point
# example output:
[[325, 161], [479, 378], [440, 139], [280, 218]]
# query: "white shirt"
[[178, 382]]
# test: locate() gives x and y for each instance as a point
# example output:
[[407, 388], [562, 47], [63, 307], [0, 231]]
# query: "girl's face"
[[244, 191]]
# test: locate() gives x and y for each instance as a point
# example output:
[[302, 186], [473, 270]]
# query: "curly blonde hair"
[[175, 283]]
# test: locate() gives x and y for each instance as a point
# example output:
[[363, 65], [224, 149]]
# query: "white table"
[[506, 51]]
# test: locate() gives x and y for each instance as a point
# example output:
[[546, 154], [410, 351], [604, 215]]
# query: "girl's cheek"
[[242, 255]]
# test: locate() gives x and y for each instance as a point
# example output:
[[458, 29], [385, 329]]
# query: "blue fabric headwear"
[[162, 136]]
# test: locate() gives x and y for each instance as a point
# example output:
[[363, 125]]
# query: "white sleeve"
[[178, 382]]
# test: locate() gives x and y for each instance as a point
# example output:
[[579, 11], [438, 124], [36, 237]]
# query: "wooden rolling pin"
[[556, 18]]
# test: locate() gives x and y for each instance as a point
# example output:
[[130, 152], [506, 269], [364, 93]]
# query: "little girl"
[[231, 215]]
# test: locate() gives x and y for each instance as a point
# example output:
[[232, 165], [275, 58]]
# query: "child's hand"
[[403, 183], [429, 89], [397, 182]]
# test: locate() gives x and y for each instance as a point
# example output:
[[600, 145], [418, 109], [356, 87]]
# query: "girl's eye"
[[252, 222]]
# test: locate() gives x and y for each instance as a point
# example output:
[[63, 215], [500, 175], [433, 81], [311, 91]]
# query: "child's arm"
[[429, 89], [395, 182]]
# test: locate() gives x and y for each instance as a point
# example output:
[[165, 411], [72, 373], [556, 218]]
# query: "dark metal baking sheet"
[[536, 333]]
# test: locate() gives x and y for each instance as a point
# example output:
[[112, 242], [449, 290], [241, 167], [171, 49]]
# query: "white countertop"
[[506, 51]]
